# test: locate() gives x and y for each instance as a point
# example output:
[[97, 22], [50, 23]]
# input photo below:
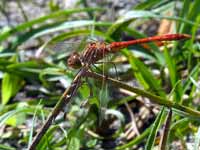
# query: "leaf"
[[75, 33], [11, 84], [190, 12], [171, 65], [33, 123], [193, 74], [151, 139], [91, 143], [144, 75], [147, 4], [46, 140], [136, 140], [7, 115], [18, 118], [197, 140], [136, 14], [10, 31], [5, 147], [67, 25], [50, 28], [75, 137], [85, 91], [74, 143]]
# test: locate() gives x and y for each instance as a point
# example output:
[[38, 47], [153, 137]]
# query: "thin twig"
[[65, 99], [133, 122], [4, 12], [22, 11]]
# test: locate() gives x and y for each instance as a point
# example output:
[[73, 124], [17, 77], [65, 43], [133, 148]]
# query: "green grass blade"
[[136, 140], [143, 74], [197, 140], [29, 24], [176, 85], [151, 139], [190, 15], [4, 147], [33, 123], [165, 135], [11, 84], [148, 4], [132, 15], [51, 28], [4, 117]]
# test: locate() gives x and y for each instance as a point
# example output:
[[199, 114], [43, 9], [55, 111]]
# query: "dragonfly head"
[[74, 61]]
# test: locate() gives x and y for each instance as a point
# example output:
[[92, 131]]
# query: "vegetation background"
[[158, 107]]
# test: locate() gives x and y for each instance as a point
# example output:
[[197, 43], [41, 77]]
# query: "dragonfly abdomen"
[[116, 46]]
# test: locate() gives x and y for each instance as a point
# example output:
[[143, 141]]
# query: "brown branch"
[[65, 99]]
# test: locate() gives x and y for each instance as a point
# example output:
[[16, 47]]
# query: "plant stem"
[[154, 98], [165, 135], [65, 99]]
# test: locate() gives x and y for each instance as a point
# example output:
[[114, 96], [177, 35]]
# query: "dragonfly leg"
[[117, 75], [97, 68]]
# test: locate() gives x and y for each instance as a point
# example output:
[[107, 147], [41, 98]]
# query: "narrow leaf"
[[11, 84]]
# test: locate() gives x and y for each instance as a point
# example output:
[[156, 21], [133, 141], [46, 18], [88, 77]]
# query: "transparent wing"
[[59, 50]]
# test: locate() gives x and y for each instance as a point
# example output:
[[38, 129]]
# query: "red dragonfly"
[[95, 51]]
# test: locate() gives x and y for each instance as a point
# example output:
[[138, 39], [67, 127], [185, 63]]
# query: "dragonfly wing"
[[58, 50]]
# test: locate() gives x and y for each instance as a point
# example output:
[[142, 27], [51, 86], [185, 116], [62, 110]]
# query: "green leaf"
[[5, 147], [197, 140], [171, 65], [191, 12], [10, 31], [68, 25], [49, 28], [4, 117], [136, 14], [47, 138], [136, 140], [75, 136], [18, 118], [11, 84], [74, 143], [33, 123], [91, 143], [146, 4], [144, 75], [75, 33], [151, 139], [94, 101], [193, 74], [85, 91]]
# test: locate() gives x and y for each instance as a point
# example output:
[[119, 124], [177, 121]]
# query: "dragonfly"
[[95, 51]]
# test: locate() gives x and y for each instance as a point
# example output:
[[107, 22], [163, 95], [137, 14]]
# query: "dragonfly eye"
[[92, 43], [74, 61]]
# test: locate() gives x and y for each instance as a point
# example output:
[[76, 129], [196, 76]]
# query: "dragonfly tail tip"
[[187, 36]]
